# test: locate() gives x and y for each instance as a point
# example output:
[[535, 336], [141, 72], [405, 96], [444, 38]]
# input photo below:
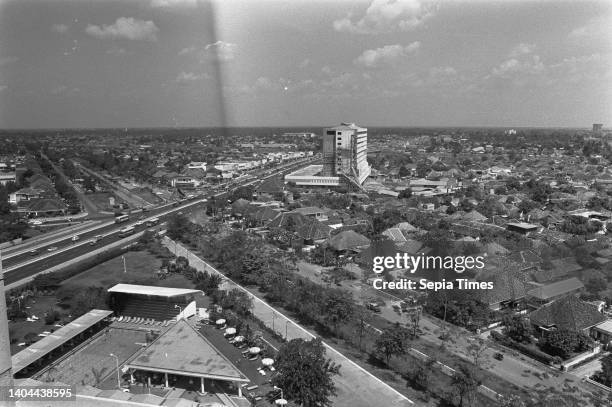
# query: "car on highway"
[[75, 238], [140, 223], [33, 252], [95, 239], [35, 222], [52, 248]]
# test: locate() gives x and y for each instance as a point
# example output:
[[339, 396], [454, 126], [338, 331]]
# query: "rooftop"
[[310, 170], [605, 326], [57, 338], [151, 290], [554, 289], [183, 350]]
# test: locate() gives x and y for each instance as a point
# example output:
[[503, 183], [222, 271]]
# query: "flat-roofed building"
[[312, 175]]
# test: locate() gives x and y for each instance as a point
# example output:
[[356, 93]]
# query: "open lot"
[[34, 307], [141, 268], [101, 200]]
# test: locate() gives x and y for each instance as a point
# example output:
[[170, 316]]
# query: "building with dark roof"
[[183, 352], [553, 291], [566, 313]]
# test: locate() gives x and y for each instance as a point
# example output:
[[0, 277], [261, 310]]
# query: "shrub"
[[51, 316], [528, 350]]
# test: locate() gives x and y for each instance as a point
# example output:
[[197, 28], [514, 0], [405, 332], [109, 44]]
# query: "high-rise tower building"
[[597, 128], [345, 151]]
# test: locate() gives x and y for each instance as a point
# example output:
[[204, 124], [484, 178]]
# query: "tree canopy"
[[305, 374]]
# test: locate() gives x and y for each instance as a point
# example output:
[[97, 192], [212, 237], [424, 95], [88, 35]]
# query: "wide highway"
[[20, 264]]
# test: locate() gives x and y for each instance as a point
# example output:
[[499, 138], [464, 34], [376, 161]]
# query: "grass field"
[[101, 200], [141, 267]]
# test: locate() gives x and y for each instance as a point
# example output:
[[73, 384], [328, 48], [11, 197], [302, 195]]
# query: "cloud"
[[521, 60], [63, 90], [386, 55], [386, 16], [125, 28], [3, 88], [59, 28], [8, 60], [174, 3], [513, 66], [306, 62], [117, 51], [187, 51], [596, 30], [521, 49], [187, 77], [327, 70], [221, 50]]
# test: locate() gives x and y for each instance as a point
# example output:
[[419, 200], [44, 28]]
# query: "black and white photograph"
[[324, 203]]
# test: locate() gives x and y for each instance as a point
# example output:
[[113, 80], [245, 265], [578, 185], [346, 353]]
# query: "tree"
[[392, 342], [517, 328], [405, 193], [178, 226], [596, 283], [414, 316], [605, 375], [89, 184], [339, 306], [237, 300], [422, 374], [510, 401], [563, 342], [305, 374], [465, 383], [477, 349], [206, 282], [362, 317], [30, 337]]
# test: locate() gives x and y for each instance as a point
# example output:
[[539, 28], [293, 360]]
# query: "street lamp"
[[286, 325], [118, 377], [273, 318]]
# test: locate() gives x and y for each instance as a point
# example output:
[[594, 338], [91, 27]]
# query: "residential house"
[[6, 177], [312, 212], [553, 291], [348, 240], [560, 268], [566, 313]]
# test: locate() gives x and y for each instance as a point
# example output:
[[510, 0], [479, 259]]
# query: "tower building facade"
[[345, 151]]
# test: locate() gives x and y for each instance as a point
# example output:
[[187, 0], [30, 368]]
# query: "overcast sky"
[[289, 63]]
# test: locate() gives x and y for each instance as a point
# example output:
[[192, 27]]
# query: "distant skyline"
[[240, 63]]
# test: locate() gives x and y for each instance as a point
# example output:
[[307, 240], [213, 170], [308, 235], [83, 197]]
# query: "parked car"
[[499, 356], [372, 306]]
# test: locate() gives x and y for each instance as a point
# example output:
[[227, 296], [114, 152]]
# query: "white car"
[[52, 249], [75, 238], [140, 223], [36, 222]]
